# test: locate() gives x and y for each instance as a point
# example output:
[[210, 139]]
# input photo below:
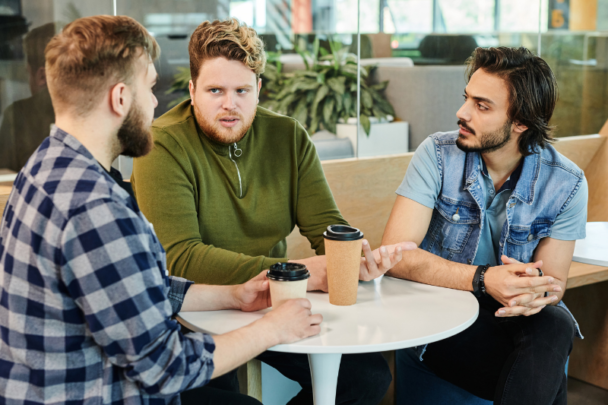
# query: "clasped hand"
[[520, 288]]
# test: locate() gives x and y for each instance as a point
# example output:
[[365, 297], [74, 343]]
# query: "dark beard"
[[489, 142], [212, 133], [134, 135]]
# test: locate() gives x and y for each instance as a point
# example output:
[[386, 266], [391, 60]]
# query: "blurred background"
[[410, 55]]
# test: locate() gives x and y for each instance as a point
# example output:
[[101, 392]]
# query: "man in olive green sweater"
[[226, 183]]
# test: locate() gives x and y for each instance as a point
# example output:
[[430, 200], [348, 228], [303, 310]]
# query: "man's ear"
[[120, 99], [519, 128], [191, 89]]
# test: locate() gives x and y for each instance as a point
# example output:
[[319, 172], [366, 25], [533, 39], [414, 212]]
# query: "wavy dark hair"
[[532, 91]]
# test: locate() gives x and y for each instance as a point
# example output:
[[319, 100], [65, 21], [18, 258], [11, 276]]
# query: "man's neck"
[[93, 134], [502, 162]]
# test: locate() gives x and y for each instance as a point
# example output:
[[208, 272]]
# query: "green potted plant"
[[325, 91]]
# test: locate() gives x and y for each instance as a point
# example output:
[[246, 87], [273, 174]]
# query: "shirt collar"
[[524, 185]]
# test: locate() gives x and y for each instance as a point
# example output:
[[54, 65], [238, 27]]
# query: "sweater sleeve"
[[316, 208], [163, 182]]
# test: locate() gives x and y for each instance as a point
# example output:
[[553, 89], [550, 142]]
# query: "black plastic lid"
[[342, 233], [288, 272]]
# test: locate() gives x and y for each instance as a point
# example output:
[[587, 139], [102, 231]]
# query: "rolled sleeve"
[[178, 287], [422, 181], [571, 223]]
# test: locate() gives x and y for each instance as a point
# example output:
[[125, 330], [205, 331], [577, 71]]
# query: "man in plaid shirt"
[[86, 304]]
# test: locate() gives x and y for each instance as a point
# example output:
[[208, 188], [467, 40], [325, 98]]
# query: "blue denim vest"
[[547, 183]]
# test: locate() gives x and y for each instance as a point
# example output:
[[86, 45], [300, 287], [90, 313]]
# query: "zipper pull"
[[237, 152]]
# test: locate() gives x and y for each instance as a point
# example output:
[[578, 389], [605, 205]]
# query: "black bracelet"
[[479, 286]]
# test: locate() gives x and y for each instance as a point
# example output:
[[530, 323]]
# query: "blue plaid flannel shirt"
[[86, 303]]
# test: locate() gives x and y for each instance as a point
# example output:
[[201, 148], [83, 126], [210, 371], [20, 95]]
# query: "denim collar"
[[524, 190]]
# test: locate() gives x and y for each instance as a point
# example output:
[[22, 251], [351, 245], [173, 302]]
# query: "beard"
[[214, 130], [488, 141], [134, 134]]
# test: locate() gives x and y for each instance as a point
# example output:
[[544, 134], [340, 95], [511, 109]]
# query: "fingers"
[[369, 265], [518, 311], [304, 302], [385, 259], [404, 246], [530, 284], [316, 319], [532, 300]]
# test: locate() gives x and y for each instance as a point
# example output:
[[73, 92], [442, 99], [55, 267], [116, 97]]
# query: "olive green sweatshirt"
[[222, 212]]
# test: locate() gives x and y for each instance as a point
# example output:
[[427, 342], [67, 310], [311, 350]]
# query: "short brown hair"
[[91, 54], [532, 90], [229, 39]]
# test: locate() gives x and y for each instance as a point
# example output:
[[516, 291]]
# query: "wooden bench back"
[[364, 188]]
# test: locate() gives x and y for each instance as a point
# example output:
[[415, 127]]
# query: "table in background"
[[594, 248], [390, 314]]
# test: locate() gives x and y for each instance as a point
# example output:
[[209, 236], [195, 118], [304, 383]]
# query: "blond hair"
[[229, 39], [92, 54]]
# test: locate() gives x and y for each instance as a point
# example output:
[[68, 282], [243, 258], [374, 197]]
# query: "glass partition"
[[412, 55], [26, 112]]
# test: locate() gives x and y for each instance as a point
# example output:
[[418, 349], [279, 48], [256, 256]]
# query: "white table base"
[[324, 373]]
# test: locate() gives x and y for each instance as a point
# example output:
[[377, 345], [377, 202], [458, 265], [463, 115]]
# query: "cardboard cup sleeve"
[[343, 261]]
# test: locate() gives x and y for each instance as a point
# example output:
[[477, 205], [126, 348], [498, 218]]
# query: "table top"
[[594, 248], [390, 314]]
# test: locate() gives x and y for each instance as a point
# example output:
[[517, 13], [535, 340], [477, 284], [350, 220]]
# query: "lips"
[[229, 122]]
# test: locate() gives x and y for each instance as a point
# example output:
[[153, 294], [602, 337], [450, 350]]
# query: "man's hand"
[[525, 304], [519, 287], [317, 266], [381, 260], [252, 295], [291, 321]]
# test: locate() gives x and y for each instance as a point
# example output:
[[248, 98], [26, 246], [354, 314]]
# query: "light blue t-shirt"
[[422, 184]]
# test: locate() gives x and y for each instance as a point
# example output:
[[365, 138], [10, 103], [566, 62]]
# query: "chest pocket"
[[452, 225], [523, 239]]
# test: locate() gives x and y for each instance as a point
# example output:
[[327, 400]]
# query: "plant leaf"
[[366, 99], [367, 126], [336, 84], [328, 109], [321, 93]]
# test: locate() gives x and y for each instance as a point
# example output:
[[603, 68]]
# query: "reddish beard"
[[214, 131]]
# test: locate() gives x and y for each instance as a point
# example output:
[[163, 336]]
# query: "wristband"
[[479, 287]]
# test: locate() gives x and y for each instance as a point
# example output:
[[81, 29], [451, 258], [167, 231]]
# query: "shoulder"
[[445, 138], [264, 118], [66, 179], [555, 160], [175, 127]]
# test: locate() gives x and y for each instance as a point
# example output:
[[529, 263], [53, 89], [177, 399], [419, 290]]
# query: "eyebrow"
[[487, 100], [215, 86]]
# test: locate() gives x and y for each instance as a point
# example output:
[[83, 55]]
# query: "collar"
[[511, 182], [525, 184]]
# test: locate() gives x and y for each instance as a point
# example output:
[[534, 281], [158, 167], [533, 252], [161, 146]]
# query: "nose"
[[228, 102], [154, 101], [463, 113]]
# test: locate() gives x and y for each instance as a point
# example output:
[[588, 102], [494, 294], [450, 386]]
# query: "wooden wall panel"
[[589, 357], [597, 178]]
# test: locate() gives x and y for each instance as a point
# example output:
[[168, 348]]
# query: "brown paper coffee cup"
[[343, 262]]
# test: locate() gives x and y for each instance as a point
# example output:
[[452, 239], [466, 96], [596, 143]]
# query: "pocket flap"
[[522, 234], [448, 209]]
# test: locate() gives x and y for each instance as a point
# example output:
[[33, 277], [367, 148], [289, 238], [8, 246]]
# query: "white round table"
[[594, 248], [390, 314]]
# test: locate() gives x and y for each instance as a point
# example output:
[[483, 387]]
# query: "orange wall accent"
[[301, 16], [583, 15]]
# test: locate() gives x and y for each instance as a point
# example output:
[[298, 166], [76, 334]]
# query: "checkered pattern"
[[85, 299]]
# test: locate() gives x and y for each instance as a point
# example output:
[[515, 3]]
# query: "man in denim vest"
[[490, 205]]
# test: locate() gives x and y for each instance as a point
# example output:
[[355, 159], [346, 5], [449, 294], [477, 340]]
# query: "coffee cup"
[[287, 281], [343, 245]]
